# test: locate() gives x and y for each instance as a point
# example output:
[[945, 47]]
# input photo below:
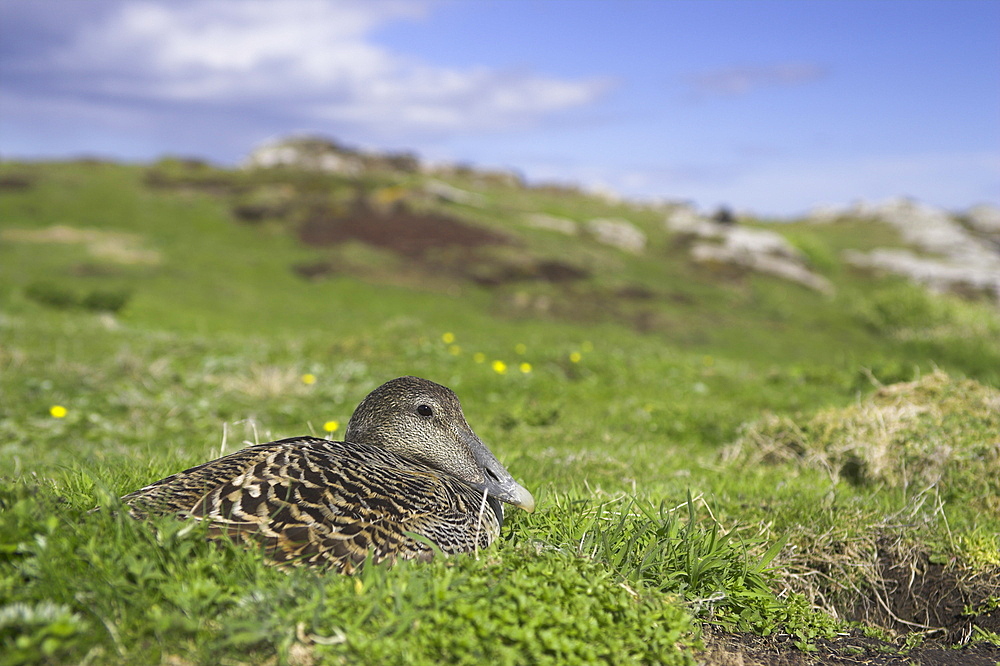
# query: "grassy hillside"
[[709, 447]]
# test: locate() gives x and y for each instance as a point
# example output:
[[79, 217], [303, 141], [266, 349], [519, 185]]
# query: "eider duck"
[[410, 472]]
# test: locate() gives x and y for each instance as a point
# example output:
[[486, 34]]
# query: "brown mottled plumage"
[[410, 465]]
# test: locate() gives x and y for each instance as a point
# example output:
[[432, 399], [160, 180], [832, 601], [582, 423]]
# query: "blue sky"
[[772, 107]]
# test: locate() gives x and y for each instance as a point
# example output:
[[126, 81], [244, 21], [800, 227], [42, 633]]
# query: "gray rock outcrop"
[[758, 250], [946, 255]]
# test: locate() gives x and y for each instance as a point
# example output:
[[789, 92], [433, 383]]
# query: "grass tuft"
[[933, 432]]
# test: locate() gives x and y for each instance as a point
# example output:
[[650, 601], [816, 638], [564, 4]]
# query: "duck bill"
[[497, 481], [512, 493]]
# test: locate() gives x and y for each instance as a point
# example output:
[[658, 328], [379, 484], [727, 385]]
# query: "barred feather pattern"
[[311, 501]]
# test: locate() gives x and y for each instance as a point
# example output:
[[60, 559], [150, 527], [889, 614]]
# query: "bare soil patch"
[[432, 245], [407, 233], [15, 182], [899, 589], [493, 273], [255, 213], [725, 649], [915, 594]]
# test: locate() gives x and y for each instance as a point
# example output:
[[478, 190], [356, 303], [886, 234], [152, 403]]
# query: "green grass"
[[697, 456]]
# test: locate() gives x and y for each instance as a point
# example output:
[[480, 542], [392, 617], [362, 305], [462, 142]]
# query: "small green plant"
[[105, 300], [712, 569], [52, 295], [986, 607], [899, 306], [61, 297], [521, 608], [39, 632]]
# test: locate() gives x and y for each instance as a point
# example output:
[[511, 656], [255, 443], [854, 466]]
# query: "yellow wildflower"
[[448, 338], [331, 426], [58, 411], [520, 348], [499, 367], [525, 368], [575, 357], [308, 378], [454, 350]]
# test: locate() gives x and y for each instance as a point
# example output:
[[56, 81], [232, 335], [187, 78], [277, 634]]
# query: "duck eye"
[[424, 410]]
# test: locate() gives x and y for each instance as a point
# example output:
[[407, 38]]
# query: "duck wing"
[[312, 501]]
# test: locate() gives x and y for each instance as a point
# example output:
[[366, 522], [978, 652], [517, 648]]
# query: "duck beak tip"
[[525, 500]]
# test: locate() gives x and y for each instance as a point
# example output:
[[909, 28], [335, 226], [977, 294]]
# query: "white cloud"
[[311, 60]]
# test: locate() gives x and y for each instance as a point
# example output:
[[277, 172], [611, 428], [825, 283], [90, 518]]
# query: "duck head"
[[422, 420]]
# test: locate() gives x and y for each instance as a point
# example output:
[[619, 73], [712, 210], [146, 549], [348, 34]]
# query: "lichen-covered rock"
[[618, 233], [984, 218], [776, 265], [307, 153], [961, 260], [313, 153], [445, 192], [936, 274], [759, 250], [552, 223]]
